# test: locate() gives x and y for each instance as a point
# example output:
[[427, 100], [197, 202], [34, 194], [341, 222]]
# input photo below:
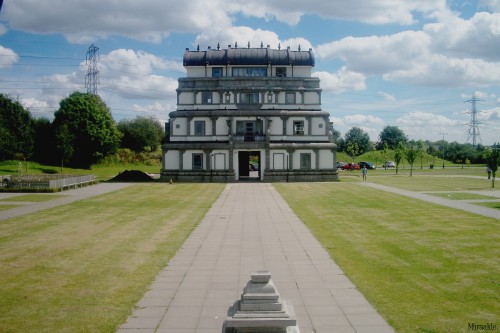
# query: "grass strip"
[[461, 196], [83, 266], [425, 267], [433, 183], [33, 198], [6, 207]]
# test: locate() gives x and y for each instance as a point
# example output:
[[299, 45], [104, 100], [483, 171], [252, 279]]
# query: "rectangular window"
[[206, 97], [290, 98], [199, 127], [250, 71], [305, 161], [197, 161], [217, 72], [249, 98], [298, 128], [281, 71]]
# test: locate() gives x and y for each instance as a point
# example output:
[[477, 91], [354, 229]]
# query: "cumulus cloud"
[[149, 20], [153, 20], [341, 81], [7, 57], [452, 53], [133, 74], [372, 12]]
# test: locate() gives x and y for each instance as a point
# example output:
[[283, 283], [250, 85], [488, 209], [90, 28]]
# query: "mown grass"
[[6, 207], [83, 266], [495, 205], [425, 182], [462, 196], [33, 198], [426, 268]]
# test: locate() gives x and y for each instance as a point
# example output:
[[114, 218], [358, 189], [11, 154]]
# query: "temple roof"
[[248, 57]]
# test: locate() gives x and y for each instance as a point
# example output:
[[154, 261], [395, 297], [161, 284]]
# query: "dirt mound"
[[132, 176]]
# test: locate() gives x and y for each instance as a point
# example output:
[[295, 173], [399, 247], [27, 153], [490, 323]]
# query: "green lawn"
[[426, 268], [461, 196], [33, 198], [5, 207], [83, 266]]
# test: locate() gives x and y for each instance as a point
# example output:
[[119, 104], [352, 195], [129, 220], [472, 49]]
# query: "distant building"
[[249, 114]]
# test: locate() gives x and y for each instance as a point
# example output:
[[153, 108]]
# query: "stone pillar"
[[181, 159], [260, 309], [316, 154]]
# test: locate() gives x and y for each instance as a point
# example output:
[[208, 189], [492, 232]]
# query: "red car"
[[350, 166]]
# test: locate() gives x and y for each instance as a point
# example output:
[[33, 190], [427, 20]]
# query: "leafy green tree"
[[421, 152], [16, 130], [493, 160], [359, 137], [398, 154], [410, 152], [141, 134], [85, 130], [392, 136], [352, 150]]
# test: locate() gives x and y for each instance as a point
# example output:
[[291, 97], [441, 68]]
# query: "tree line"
[[357, 142], [81, 134]]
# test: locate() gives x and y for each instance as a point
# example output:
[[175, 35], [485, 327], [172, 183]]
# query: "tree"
[[398, 154], [353, 151], [16, 130], [421, 152], [359, 137], [391, 135], [43, 150], [410, 152], [141, 134], [493, 160], [85, 130]]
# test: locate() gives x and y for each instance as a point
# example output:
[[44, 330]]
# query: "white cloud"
[[493, 5], [372, 12], [434, 56], [477, 38], [7, 57], [341, 81], [82, 21], [387, 97], [131, 74]]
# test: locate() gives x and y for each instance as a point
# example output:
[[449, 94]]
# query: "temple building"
[[249, 114]]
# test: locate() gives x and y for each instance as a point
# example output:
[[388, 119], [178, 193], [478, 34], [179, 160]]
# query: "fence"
[[41, 182]]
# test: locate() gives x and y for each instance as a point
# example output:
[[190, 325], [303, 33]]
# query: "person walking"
[[488, 170], [364, 171]]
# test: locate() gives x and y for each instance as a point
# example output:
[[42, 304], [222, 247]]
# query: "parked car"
[[340, 164], [368, 165], [389, 164], [350, 166]]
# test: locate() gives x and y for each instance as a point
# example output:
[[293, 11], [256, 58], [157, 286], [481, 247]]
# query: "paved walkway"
[[63, 198], [457, 204], [250, 228]]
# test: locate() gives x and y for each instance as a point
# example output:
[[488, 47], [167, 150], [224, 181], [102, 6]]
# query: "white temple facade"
[[249, 114]]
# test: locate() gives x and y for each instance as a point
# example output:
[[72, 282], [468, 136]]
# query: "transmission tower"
[[91, 77], [474, 124]]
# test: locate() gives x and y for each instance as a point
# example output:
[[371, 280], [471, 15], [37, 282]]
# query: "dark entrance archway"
[[249, 165]]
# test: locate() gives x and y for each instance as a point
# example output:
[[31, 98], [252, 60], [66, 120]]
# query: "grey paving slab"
[[250, 228]]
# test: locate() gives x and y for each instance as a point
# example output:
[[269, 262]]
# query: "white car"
[[389, 164]]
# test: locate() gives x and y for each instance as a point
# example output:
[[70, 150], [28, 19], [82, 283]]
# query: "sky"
[[414, 64]]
